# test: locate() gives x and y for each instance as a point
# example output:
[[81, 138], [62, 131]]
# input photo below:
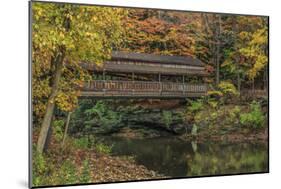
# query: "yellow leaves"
[[66, 102], [227, 88], [92, 33], [94, 19], [39, 109], [99, 63], [215, 93], [260, 62], [39, 12], [259, 37], [244, 35], [252, 46], [61, 34], [226, 62], [69, 16]]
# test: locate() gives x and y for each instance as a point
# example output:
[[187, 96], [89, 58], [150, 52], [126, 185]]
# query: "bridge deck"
[[139, 89]]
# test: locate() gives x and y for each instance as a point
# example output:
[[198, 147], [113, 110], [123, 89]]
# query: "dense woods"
[[66, 128]]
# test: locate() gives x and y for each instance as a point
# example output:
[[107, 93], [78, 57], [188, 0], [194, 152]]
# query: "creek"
[[173, 157]]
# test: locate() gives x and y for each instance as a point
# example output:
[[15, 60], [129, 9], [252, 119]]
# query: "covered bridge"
[[146, 75]]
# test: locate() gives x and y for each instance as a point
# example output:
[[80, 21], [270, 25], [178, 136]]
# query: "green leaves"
[[254, 118], [195, 105], [102, 116]]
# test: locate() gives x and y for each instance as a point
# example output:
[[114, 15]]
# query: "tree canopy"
[[62, 36], [87, 33]]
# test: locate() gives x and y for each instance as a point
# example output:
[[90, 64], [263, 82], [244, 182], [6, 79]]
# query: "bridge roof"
[[125, 62], [153, 58]]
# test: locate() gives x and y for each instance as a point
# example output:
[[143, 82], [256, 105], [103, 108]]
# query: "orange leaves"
[[159, 32]]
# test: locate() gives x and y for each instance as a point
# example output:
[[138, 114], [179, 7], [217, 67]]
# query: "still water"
[[176, 158]]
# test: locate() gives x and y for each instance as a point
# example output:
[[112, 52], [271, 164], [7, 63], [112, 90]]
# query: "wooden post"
[[183, 84], [89, 84], [103, 75], [66, 127], [160, 84], [133, 88], [103, 78]]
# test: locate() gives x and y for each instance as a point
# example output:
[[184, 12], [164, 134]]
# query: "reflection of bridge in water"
[[141, 75]]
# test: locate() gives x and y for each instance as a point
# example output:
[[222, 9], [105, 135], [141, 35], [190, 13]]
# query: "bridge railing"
[[143, 86]]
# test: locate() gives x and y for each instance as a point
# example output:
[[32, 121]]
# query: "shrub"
[[47, 170], [227, 88], [233, 115], [199, 117], [39, 168], [212, 103], [195, 105], [215, 93], [103, 116], [214, 115], [224, 91], [86, 174], [81, 143], [254, 118], [102, 148], [67, 174], [58, 126]]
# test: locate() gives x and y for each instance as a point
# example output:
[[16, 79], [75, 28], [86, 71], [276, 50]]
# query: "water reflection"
[[173, 157]]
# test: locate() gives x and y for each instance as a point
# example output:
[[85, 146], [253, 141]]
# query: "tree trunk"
[[238, 82], [253, 86], [58, 60], [218, 47], [236, 58], [265, 78], [210, 32], [49, 137]]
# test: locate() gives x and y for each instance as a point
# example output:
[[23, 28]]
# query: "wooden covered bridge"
[[143, 75]]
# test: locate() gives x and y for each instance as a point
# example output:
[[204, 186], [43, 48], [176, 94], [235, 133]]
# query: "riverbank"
[[234, 137], [174, 157], [214, 135], [200, 118], [77, 162], [127, 158], [113, 168], [113, 141]]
